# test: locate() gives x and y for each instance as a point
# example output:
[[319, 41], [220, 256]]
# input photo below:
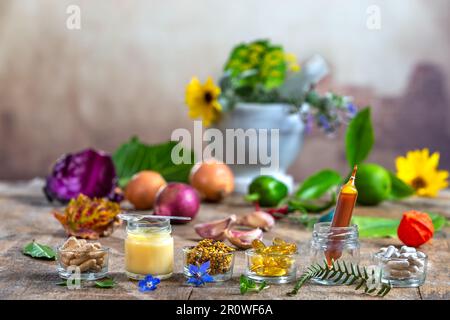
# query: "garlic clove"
[[242, 238], [215, 229], [257, 219]]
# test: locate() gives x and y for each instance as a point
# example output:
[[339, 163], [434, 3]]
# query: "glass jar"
[[92, 265], [273, 268], [402, 272], [149, 249], [221, 264], [332, 244]]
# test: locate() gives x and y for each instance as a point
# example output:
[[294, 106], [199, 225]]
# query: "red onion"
[[177, 199]]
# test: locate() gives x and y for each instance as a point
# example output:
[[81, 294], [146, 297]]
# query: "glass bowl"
[[221, 264], [402, 272], [271, 267], [88, 265]]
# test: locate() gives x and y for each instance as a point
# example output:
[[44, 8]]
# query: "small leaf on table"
[[39, 251], [105, 283]]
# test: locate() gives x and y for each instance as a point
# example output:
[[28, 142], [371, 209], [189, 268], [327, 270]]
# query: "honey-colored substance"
[[274, 260], [342, 215], [150, 253]]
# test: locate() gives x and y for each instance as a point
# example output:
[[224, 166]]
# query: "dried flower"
[[89, 218]]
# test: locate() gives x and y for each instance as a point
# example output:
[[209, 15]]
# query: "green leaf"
[[311, 206], [399, 189], [39, 251], [375, 227], [318, 184], [359, 138], [135, 156], [439, 221], [105, 283], [62, 283]]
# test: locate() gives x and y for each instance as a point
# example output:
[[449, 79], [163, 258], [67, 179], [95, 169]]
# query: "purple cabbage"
[[89, 172]]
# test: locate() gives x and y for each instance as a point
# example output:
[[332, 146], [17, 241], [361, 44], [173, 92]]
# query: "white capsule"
[[398, 264], [416, 262], [408, 255], [405, 249], [420, 254], [382, 249], [396, 255], [389, 251], [400, 274], [413, 269]]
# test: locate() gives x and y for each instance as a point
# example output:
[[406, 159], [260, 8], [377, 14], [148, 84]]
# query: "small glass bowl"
[[221, 266], [92, 265], [402, 272], [273, 268]]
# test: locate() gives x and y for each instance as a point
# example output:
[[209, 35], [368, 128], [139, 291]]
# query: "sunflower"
[[202, 100], [420, 171]]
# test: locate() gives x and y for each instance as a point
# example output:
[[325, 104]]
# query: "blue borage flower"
[[148, 283], [198, 276], [351, 109]]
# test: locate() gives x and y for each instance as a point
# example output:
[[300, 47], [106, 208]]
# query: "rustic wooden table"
[[25, 215]]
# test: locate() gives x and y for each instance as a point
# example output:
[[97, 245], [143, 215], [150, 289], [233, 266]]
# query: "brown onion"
[[212, 179]]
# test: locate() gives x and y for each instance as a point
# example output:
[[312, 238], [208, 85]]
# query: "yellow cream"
[[149, 253]]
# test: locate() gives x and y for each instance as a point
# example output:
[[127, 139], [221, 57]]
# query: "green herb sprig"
[[344, 273], [249, 285]]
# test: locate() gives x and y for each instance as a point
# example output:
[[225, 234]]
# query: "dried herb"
[[249, 285], [345, 273], [39, 251], [89, 218]]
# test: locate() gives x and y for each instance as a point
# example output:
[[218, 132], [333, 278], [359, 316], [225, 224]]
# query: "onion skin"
[[213, 179], [141, 191], [177, 199]]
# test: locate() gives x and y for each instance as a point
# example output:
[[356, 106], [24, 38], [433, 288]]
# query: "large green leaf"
[[359, 138], [318, 184], [40, 251], [135, 156], [375, 227], [399, 189]]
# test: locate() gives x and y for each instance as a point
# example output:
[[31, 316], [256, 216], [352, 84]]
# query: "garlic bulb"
[[242, 238], [257, 219], [215, 229]]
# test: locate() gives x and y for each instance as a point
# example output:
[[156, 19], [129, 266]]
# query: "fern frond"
[[341, 272]]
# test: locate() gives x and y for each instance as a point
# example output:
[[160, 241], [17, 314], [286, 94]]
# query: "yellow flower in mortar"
[[420, 171], [292, 63], [202, 100]]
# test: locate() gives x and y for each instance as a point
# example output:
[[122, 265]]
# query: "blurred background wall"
[[124, 72]]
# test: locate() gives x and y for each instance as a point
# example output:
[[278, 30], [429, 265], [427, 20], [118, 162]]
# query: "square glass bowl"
[[221, 264], [402, 272], [91, 265], [271, 267]]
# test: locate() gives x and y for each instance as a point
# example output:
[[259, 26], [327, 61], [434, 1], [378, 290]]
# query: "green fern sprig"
[[343, 273]]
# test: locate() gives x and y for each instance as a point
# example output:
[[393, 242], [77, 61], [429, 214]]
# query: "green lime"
[[267, 190], [373, 183]]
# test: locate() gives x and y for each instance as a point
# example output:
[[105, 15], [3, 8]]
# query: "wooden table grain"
[[25, 215]]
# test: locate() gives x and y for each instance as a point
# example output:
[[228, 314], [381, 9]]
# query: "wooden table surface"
[[25, 215]]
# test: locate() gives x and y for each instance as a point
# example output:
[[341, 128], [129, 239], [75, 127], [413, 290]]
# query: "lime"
[[373, 184]]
